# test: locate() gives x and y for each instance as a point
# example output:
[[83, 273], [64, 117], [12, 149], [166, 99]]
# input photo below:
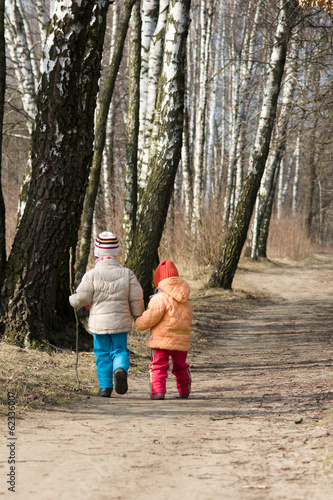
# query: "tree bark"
[[2, 104], [154, 71], [61, 152], [23, 54], [312, 180], [131, 177], [150, 9], [166, 148], [206, 14], [227, 263]]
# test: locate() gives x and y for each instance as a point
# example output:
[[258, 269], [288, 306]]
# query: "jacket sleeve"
[[135, 296], [153, 315], [84, 293]]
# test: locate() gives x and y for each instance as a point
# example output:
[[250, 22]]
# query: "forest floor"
[[258, 424]]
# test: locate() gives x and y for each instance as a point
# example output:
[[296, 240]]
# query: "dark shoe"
[[105, 393], [158, 395], [120, 380], [183, 396]]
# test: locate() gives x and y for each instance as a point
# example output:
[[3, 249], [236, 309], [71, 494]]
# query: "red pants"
[[159, 370]]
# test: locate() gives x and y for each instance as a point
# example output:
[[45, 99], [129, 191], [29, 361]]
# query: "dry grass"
[[197, 253], [288, 239], [40, 378]]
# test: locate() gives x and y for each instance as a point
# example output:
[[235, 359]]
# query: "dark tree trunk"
[[165, 149], [61, 153], [228, 261], [131, 172], [312, 180], [2, 103], [264, 227]]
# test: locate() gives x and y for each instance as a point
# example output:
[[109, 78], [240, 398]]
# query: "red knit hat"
[[165, 269]]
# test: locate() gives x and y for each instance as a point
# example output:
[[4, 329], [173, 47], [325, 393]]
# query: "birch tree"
[[61, 153], [131, 173], [108, 173], [150, 10], [240, 80], [297, 169], [206, 14], [165, 148], [2, 105], [156, 51], [277, 151], [100, 136], [23, 53], [236, 236], [213, 110]]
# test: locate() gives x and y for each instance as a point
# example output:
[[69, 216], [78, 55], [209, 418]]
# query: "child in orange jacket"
[[169, 317]]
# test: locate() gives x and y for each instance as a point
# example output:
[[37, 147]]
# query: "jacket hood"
[[177, 287], [107, 263]]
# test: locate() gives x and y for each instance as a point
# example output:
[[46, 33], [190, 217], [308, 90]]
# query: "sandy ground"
[[258, 425]]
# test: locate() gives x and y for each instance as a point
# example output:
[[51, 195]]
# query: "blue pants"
[[111, 353]]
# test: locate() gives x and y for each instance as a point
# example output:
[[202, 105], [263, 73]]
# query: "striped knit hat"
[[106, 245]]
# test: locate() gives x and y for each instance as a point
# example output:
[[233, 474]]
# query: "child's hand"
[[72, 301]]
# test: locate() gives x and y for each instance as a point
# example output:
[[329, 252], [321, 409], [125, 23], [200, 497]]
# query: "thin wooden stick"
[[76, 316]]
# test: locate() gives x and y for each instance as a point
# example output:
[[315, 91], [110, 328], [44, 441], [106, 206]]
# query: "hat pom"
[[166, 269], [106, 245]]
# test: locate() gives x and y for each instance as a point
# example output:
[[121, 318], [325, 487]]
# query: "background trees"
[[181, 138]]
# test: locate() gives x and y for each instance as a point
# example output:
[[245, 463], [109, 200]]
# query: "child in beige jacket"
[[114, 295]]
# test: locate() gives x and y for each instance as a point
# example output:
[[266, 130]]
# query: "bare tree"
[[277, 151], [131, 173], [165, 148], [236, 237], [100, 136], [206, 14]]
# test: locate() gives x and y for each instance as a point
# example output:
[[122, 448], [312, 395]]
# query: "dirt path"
[[259, 424]]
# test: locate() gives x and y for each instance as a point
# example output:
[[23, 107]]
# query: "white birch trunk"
[[200, 126], [154, 71], [107, 161], [211, 158], [43, 18], [186, 170], [26, 8], [220, 171], [280, 190], [19, 51], [149, 20], [296, 175], [277, 152], [131, 177]]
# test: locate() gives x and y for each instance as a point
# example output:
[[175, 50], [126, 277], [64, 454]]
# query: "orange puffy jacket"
[[169, 316]]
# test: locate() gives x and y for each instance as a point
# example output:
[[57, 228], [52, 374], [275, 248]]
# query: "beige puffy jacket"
[[169, 316], [114, 295]]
